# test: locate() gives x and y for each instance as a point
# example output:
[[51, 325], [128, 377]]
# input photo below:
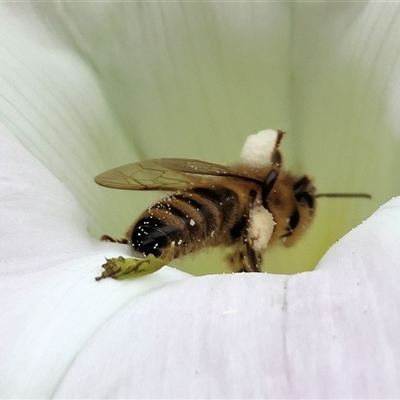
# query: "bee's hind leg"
[[244, 259], [106, 238], [254, 259]]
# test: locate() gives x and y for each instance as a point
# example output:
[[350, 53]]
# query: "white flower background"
[[86, 87]]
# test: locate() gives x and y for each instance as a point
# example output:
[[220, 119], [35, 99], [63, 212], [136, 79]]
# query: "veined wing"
[[164, 174]]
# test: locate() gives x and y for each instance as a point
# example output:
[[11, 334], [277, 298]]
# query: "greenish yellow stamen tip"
[[126, 268]]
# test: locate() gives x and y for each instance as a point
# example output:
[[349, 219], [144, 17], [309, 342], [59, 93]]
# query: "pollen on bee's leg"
[[258, 148], [260, 228]]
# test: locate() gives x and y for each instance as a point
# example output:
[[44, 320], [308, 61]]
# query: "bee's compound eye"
[[305, 197], [294, 219], [303, 191]]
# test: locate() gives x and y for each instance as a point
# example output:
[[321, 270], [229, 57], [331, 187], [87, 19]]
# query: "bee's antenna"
[[350, 195]]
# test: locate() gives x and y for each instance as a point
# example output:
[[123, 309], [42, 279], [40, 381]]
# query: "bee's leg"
[[272, 176], [245, 258], [253, 259], [276, 156], [268, 185], [106, 238], [236, 260]]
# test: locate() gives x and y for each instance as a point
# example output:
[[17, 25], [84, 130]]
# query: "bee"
[[246, 207]]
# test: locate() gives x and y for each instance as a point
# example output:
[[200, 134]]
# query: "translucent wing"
[[164, 174]]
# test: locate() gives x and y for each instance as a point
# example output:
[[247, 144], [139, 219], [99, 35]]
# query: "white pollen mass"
[[258, 148], [192, 222], [261, 226]]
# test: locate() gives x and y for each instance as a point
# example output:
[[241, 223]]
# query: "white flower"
[[86, 87]]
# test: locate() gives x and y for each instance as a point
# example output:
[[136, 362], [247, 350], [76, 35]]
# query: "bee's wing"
[[163, 174], [197, 167]]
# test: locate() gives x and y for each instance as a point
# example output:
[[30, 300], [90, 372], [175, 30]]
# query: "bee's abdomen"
[[195, 218]]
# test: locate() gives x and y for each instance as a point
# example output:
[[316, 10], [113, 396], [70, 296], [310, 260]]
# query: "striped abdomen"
[[193, 219]]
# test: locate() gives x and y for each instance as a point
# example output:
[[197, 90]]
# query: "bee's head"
[[304, 194], [303, 209], [292, 203]]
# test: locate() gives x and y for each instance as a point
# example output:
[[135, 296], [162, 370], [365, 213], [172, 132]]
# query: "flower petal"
[[333, 332], [53, 104], [50, 304]]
